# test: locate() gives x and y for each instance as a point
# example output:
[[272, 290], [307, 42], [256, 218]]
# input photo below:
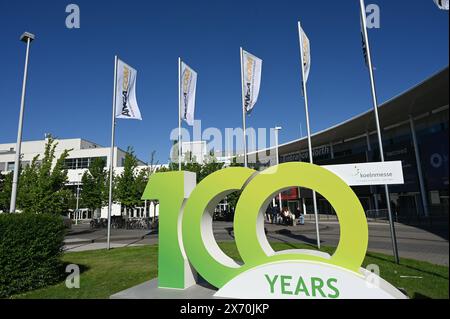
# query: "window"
[[2, 167], [83, 163], [10, 166], [70, 163], [24, 164]]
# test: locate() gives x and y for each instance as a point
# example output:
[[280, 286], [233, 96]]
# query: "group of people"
[[282, 217]]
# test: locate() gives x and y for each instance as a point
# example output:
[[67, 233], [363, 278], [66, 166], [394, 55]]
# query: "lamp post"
[[27, 38], [78, 199]]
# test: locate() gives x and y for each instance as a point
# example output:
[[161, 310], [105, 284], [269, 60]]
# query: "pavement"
[[413, 242]]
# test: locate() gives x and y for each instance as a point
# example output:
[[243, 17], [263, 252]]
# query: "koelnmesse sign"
[[187, 245]]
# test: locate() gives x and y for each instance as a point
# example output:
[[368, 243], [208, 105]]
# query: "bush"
[[30, 250]]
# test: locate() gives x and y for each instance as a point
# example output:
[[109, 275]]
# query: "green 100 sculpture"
[[187, 246]]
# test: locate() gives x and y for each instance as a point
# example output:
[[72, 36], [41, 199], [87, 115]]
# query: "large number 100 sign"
[[187, 245]]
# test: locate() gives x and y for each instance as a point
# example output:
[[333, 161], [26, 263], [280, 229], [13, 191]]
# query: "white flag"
[[126, 104], [442, 4], [306, 53], [251, 75], [188, 85]]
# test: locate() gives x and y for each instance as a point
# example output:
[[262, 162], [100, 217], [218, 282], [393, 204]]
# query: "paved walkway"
[[413, 242]]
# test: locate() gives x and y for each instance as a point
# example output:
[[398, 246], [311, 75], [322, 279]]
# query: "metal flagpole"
[[277, 130], [111, 158], [380, 140], [243, 109], [179, 114], [27, 38], [308, 129]]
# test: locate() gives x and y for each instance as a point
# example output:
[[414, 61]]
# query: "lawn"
[[107, 272]]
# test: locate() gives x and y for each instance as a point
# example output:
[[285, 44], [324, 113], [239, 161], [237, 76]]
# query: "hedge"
[[30, 250]]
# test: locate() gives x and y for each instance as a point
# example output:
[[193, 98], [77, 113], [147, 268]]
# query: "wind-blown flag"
[[188, 87], [306, 53], [126, 104], [251, 80], [364, 45], [442, 4]]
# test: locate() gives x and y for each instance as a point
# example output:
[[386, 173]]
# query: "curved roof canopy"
[[425, 97]]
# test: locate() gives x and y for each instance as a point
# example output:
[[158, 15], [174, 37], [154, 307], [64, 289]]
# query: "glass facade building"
[[415, 132]]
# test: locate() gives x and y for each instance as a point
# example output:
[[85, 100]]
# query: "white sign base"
[[307, 280]]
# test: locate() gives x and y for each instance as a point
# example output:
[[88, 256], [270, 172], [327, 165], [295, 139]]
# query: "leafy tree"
[[5, 191], [234, 197], [94, 194], [140, 183], [26, 194], [42, 185], [210, 165], [129, 187]]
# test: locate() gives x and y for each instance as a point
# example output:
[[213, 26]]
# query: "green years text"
[[302, 287]]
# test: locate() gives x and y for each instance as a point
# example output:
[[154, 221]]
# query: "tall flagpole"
[[277, 130], [179, 114], [111, 157], [308, 129], [243, 109], [380, 140]]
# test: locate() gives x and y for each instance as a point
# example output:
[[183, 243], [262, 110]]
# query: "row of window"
[[70, 163], [8, 167], [80, 163]]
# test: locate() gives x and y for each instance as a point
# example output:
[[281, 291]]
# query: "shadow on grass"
[[303, 238], [420, 296], [64, 274]]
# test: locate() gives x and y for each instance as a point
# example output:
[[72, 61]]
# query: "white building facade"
[[82, 153]]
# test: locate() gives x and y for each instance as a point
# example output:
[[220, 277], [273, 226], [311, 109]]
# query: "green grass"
[[107, 272]]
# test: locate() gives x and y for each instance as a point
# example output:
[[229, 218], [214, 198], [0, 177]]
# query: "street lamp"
[[78, 199], [27, 38], [277, 130]]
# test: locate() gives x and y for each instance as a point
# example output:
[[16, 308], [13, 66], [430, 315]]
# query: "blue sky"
[[71, 71]]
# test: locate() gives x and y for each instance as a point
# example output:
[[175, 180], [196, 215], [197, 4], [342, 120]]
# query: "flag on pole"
[[363, 40], [442, 4], [188, 88], [251, 71], [306, 53], [126, 104]]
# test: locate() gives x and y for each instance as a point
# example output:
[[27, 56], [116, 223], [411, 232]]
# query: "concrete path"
[[413, 242]]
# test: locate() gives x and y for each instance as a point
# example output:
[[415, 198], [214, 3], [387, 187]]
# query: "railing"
[[118, 222], [380, 214]]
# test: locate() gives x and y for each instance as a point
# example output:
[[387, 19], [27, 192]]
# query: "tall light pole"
[[27, 38], [78, 200], [277, 130]]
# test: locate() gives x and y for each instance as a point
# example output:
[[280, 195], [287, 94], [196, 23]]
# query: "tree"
[[5, 191], [43, 185], [210, 165], [233, 198], [140, 183], [129, 187], [94, 194]]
